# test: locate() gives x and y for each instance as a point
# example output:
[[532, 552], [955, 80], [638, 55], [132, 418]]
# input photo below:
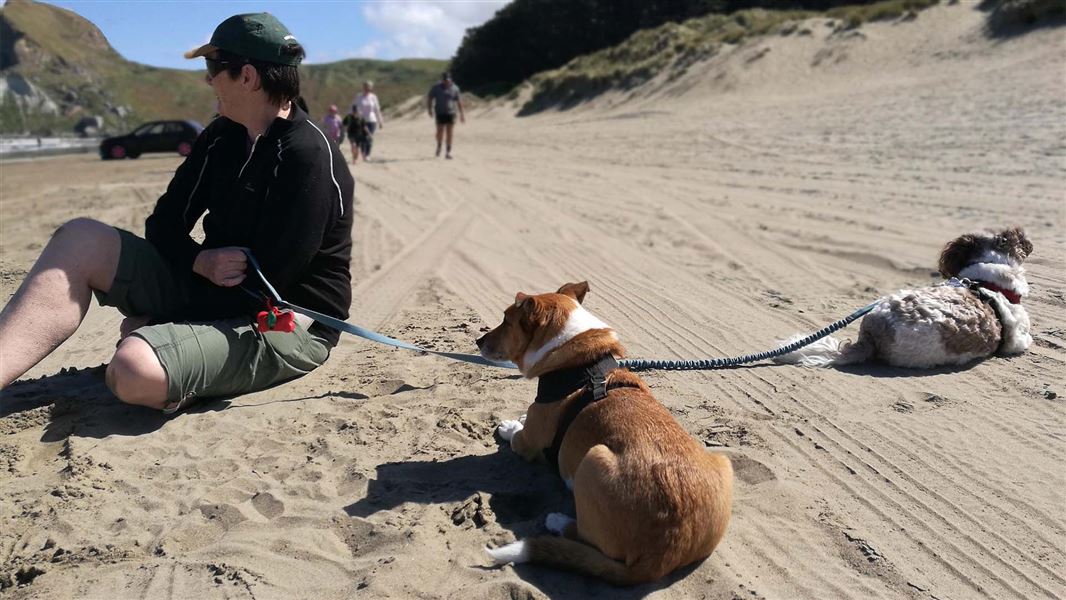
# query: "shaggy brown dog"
[[977, 314]]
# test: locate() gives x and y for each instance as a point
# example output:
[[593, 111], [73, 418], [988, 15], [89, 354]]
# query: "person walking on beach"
[[331, 125], [442, 103], [370, 110], [358, 132], [271, 183]]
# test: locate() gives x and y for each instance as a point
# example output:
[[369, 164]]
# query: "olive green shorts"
[[209, 358]]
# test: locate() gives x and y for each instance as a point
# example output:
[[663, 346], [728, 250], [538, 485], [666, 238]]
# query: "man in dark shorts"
[[271, 183], [442, 103], [358, 132]]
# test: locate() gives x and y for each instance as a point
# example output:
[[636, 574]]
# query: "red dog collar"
[[1011, 296]]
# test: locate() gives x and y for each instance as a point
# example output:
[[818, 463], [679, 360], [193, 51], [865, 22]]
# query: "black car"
[[157, 136]]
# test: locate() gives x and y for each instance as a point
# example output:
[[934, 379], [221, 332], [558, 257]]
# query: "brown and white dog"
[[948, 324], [649, 499]]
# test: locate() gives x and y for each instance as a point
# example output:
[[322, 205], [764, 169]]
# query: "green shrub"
[[1007, 16], [855, 16]]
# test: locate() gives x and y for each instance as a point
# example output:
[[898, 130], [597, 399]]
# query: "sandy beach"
[[768, 191]]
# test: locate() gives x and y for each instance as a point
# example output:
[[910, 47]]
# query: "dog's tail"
[[828, 352], [571, 555]]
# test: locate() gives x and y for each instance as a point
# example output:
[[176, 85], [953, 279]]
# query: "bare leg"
[[355, 153], [52, 301], [368, 145], [440, 137], [135, 375], [448, 128]]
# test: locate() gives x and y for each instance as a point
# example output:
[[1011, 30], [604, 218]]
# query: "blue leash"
[[366, 333], [631, 364]]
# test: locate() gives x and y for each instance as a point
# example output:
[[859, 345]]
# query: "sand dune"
[[771, 190]]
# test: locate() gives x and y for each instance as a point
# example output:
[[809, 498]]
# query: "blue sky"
[[158, 32]]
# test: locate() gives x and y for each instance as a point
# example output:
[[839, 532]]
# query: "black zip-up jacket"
[[287, 197]]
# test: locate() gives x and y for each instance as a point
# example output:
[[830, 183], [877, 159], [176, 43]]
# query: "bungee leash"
[[275, 320], [721, 363]]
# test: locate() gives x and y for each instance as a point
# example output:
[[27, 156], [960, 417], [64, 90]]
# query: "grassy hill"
[[394, 81], [68, 58], [671, 48]]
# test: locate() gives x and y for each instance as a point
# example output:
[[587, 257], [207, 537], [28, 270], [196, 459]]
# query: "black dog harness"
[[554, 386]]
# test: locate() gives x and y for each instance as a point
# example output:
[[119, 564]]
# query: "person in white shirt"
[[370, 110]]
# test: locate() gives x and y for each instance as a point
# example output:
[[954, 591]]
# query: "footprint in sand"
[[268, 505], [389, 387], [193, 533], [920, 402], [225, 515], [751, 472]]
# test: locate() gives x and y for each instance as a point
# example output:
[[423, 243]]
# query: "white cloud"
[[371, 49], [424, 29]]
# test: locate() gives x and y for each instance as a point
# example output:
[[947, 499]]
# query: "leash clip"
[[598, 385], [274, 319]]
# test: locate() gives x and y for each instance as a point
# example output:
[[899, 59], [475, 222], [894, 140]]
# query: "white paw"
[[557, 523], [522, 419], [517, 552], [507, 429]]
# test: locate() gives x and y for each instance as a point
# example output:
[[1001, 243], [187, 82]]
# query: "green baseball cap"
[[259, 36]]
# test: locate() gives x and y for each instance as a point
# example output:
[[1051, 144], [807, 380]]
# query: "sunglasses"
[[216, 65]]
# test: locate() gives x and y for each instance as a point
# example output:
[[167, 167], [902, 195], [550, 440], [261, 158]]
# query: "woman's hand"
[[222, 266]]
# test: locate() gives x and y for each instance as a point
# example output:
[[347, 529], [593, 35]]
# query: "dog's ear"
[[1013, 241], [520, 299], [531, 313], [957, 253], [576, 291]]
